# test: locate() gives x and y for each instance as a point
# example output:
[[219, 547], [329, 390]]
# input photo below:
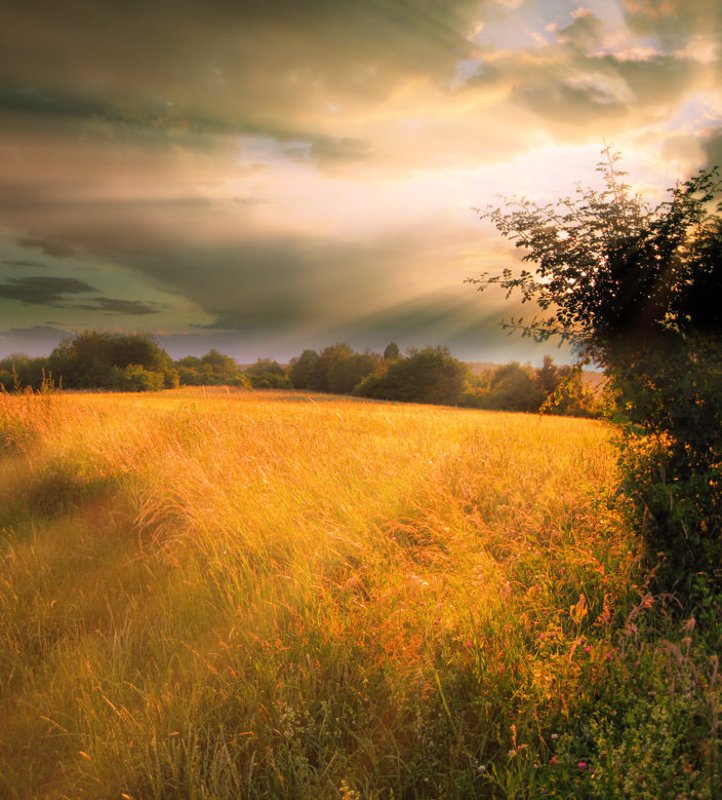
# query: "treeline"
[[135, 362]]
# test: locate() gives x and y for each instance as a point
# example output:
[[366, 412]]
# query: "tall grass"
[[232, 595]]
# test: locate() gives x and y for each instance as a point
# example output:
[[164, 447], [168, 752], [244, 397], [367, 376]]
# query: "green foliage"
[[267, 374], [301, 369], [431, 375], [392, 352], [136, 378], [115, 361], [551, 389], [512, 387], [20, 371], [345, 375], [212, 369], [636, 288], [320, 379]]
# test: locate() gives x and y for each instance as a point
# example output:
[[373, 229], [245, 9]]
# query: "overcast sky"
[[263, 176]]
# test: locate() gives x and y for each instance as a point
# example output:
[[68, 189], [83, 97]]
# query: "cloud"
[[111, 305], [283, 169], [52, 249], [21, 262], [213, 60], [42, 290], [712, 145], [576, 86], [674, 21]]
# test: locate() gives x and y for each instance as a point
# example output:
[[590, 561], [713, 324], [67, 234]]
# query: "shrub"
[[635, 288], [431, 375]]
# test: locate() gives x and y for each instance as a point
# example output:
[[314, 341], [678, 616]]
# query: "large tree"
[[104, 360], [635, 287]]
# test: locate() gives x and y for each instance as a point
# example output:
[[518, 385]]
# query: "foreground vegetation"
[[221, 595]]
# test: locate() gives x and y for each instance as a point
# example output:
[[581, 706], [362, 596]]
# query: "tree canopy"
[[104, 360]]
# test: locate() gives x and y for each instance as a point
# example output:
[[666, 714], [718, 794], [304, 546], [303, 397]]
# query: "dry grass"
[[212, 595]]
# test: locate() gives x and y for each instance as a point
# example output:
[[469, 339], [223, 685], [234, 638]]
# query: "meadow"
[[216, 595]]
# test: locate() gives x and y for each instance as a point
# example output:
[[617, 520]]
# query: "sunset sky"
[[266, 176]]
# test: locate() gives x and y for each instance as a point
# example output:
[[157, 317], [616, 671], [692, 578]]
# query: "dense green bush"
[[267, 374], [431, 375], [101, 360], [136, 378], [212, 369], [512, 387]]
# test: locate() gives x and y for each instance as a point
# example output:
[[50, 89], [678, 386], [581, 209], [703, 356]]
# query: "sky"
[[264, 176]]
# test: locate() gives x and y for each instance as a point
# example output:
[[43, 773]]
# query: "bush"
[[431, 375], [212, 369], [267, 374], [636, 289], [19, 371], [136, 378], [99, 360], [513, 388]]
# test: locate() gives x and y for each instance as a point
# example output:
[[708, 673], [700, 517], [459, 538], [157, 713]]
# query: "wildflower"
[[553, 761], [582, 764]]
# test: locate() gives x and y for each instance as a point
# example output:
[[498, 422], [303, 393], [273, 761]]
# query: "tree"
[[99, 360], [301, 369], [635, 288], [347, 374], [267, 374], [212, 369], [392, 352], [431, 375], [514, 388], [330, 356]]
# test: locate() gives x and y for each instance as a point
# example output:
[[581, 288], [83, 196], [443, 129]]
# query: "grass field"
[[281, 596]]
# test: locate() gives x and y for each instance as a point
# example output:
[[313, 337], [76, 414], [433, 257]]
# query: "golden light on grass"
[[277, 595]]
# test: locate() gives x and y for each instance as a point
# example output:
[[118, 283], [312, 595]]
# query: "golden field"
[[228, 595]]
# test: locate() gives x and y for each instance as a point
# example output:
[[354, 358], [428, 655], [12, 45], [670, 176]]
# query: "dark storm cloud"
[[269, 284], [220, 66], [42, 290], [111, 305], [28, 100], [21, 262], [161, 123], [53, 249]]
